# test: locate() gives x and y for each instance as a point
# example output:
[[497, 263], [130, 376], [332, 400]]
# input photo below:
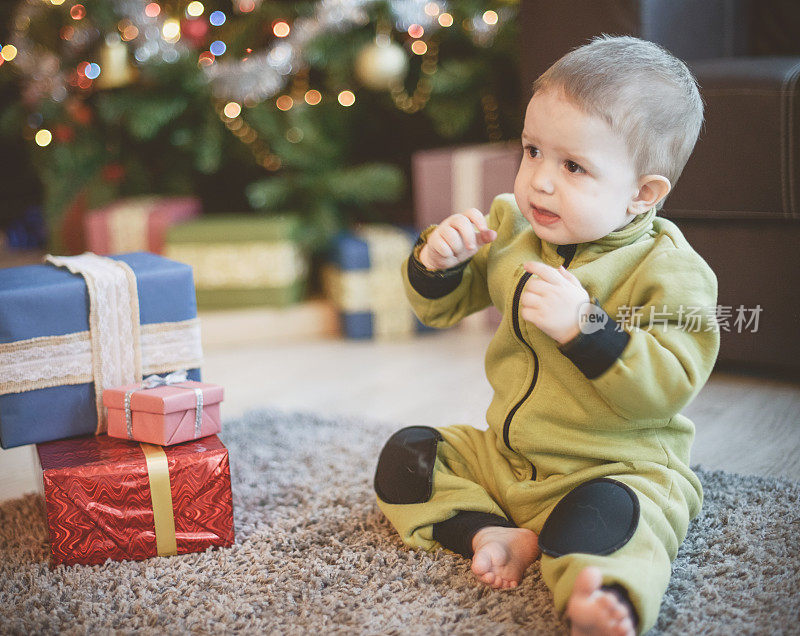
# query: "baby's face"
[[576, 179]]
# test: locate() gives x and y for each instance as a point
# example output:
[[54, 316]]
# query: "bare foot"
[[501, 555], [595, 611]]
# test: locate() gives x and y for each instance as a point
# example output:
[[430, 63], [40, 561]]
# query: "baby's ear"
[[652, 189]]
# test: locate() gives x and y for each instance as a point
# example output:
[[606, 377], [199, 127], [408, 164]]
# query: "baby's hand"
[[455, 240], [552, 300]]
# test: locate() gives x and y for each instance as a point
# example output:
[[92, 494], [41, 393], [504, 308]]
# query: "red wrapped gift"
[[163, 411], [114, 499], [450, 180], [137, 224]]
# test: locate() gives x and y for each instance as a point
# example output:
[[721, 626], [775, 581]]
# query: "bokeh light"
[[93, 71], [347, 98], [195, 9], [43, 137], [432, 9], [171, 31], [419, 47], [246, 6], [232, 110], [445, 20], [206, 59], [66, 33], [281, 29], [152, 10], [56, 3], [8, 52], [313, 97], [284, 102], [490, 17], [77, 12], [294, 135], [218, 47], [129, 33], [416, 31], [217, 18]]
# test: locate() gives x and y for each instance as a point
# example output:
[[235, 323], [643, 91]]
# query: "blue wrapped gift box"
[[42, 300], [363, 279]]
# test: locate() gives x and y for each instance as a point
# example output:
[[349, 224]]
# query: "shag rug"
[[313, 554]]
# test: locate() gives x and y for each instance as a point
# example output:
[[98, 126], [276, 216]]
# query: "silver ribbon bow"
[[173, 379]]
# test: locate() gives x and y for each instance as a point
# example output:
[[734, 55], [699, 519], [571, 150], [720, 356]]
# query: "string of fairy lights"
[[152, 32]]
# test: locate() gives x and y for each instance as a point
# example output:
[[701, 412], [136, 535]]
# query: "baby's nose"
[[541, 180]]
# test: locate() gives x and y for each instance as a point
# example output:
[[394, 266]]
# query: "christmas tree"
[[309, 107]]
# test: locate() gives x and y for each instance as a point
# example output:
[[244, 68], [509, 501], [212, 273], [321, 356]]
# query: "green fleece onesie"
[[604, 408]]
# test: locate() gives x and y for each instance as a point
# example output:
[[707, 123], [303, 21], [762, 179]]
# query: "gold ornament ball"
[[115, 69], [381, 64]]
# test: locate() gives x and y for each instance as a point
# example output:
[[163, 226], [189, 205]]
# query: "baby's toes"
[[624, 627], [612, 606]]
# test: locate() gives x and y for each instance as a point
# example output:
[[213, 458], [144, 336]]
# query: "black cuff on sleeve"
[[594, 353], [430, 284], [456, 533]]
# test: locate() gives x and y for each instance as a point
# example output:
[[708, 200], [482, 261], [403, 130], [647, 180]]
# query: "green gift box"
[[242, 260]]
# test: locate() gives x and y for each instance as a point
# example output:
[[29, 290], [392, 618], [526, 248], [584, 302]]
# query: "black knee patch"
[[405, 467], [598, 517]]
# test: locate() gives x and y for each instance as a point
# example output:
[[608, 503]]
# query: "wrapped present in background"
[[137, 224], [241, 260], [80, 324], [163, 411], [450, 180], [113, 499], [28, 231], [363, 280]]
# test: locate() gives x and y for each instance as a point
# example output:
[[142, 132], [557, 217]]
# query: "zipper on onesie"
[[518, 332], [567, 252]]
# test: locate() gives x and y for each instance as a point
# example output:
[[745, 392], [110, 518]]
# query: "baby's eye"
[[531, 151], [573, 167]]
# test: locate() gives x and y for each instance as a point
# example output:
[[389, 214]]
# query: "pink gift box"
[[450, 180], [163, 415], [136, 224]]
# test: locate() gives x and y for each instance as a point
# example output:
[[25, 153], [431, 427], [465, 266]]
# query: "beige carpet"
[[313, 554]]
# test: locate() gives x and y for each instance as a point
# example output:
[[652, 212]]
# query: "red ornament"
[[80, 112], [113, 172], [195, 30], [63, 133]]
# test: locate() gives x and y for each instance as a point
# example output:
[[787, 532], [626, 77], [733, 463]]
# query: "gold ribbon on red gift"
[[161, 496]]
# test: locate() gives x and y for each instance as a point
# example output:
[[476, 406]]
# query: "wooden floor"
[[744, 424]]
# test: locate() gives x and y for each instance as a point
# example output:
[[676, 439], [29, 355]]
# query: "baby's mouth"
[[543, 216]]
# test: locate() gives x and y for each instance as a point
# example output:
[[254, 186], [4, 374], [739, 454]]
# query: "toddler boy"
[[586, 458]]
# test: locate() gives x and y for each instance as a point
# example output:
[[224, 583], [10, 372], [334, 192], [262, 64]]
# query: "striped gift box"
[[363, 279], [242, 260]]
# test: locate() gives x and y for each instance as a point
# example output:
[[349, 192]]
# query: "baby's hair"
[[646, 95]]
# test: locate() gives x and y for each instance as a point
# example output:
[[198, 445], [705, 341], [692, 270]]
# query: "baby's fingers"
[[569, 276], [439, 245], [481, 227], [453, 239], [486, 236], [545, 272], [461, 224]]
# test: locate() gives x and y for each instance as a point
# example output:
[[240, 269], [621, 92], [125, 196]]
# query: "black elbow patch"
[[598, 517], [405, 467]]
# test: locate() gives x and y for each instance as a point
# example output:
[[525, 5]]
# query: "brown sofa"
[[738, 200]]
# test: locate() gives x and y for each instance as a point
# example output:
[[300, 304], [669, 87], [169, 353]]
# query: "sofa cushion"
[[747, 160]]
